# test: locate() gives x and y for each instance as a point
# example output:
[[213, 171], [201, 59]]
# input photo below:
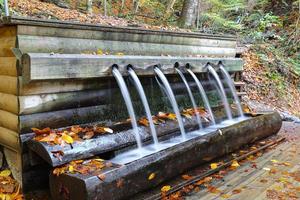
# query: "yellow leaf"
[[5, 197], [108, 130], [235, 164], [165, 188], [274, 161], [225, 196], [119, 54], [71, 168], [213, 165], [68, 139], [151, 176], [99, 52], [5, 173]]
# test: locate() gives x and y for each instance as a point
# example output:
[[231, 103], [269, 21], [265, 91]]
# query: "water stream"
[[172, 99], [141, 92], [222, 91], [230, 83], [124, 90], [191, 97], [204, 96]]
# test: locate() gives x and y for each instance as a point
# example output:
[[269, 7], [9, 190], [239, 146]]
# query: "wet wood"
[[175, 160], [38, 66]]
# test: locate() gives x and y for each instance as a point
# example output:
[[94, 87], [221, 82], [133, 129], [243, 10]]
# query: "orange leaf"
[[88, 135], [41, 131], [186, 177], [101, 177], [236, 191], [143, 121]]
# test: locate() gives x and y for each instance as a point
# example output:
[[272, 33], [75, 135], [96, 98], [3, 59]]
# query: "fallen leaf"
[[213, 189], [108, 130], [151, 176], [235, 164], [186, 177], [68, 139], [213, 165], [120, 183], [236, 191], [165, 188], [5, 173], [143, 121], [101, 177], [274, 161], [41, 131], [225, 196], [71, 169]]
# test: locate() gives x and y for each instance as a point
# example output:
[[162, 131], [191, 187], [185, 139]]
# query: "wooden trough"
[[122, 182], [51, 76]]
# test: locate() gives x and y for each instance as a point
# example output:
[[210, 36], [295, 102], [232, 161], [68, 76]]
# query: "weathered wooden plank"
[[60, 101], [10, 139], [7, 41], [8, 66], [9, 120], [9, 84], [38, 66], [9, 102], [59, 86], [113, 35], [44, 44], [17, 20], [61, 118], [176, 160]]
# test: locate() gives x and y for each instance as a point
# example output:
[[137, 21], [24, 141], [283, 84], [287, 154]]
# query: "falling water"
[[141, 92], [172, 99], [222, 91], [230, 83], [124, 90], [204, 96], [191, 97]]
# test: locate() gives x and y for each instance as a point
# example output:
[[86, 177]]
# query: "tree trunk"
[[89, 4], [169, 8], [188, 14]]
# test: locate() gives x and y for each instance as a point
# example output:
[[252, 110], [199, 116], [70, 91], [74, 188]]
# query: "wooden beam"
[[9, 120], [44, 44], [9, 84], [38, 66], [128, 36], [10, 139], [27, 21], [9, 102], [8, 66], [7, 41]]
